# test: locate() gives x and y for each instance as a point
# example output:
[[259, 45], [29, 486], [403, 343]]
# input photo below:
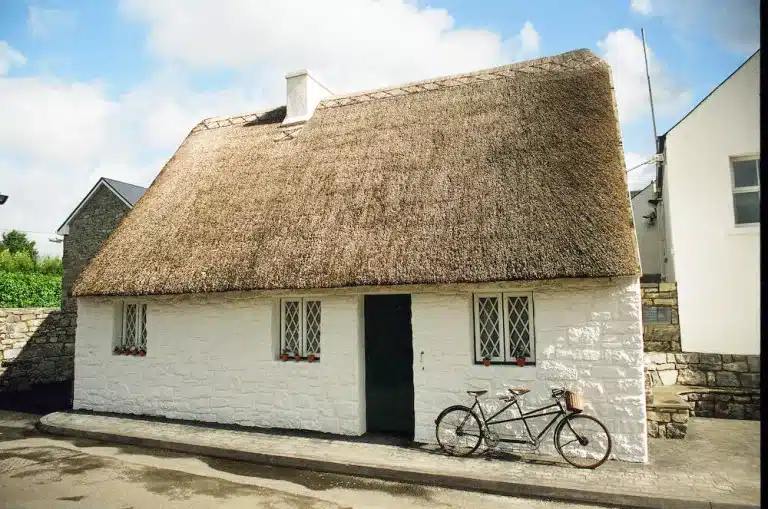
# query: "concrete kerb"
[[407, 476]]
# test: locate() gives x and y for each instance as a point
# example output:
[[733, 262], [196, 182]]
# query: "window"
[[654, 314], [132, 338], [746, 189], [300, 327], [504, 328]]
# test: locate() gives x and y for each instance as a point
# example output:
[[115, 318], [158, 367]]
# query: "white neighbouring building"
[[396, 239], [709, 185], [648, 232]]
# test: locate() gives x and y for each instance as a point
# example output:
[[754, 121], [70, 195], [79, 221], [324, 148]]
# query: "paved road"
[[37, 471]]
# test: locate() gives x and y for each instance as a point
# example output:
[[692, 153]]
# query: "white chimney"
[[304, 94]]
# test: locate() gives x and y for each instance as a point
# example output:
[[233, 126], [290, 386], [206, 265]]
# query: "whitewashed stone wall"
[[588, 339], [215, 359]]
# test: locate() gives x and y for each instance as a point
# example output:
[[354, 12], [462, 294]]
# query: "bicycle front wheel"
[[458, 431], [583, 441]]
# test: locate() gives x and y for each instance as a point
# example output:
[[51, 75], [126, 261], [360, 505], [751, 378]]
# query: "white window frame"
[[503, 310], [140, 326], [303, 353], [748, 189]]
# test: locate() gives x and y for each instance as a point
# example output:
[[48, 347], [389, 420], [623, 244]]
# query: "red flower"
[[486, 362], [298, 357], [311, 357], [521, 361], [284, 357]]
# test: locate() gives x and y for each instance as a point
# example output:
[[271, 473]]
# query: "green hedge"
[[27, 290]]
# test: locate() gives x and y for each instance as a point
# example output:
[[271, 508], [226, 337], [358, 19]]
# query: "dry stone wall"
[[667, 422], [703, 370], [37, 346]]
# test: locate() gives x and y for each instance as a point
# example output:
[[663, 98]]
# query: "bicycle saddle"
[[476, 393], [519, 392]]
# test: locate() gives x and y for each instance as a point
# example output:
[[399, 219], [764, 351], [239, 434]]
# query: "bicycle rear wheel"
[[458, 431], [583, 441]]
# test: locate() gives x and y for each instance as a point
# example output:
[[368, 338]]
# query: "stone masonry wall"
[[37, 346], [703, 370], [87, 231], [714, 385], [660, 303], [667, 422]]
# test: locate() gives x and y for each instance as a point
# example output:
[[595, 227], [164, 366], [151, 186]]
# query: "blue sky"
[[110, 88]]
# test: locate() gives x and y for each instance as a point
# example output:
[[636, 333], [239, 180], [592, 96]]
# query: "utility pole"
[[650, 93]]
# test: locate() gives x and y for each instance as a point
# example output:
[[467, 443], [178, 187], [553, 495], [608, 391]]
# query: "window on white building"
[[300, 327], [504, 331], [132, 338], [746, 189]]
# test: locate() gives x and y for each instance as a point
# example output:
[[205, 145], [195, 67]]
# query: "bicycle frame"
[[523, 417]]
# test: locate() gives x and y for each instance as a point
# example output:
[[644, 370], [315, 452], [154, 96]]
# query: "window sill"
[[498, 363], [301, 360], [752, 229]]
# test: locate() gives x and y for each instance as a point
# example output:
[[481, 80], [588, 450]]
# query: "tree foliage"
[[17, 242], [21, 290], [21, 261]]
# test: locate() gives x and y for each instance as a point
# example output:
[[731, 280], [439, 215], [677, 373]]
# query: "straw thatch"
[[514, 173]]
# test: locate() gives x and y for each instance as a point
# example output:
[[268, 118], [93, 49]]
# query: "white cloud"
[[642, 6], [42, 22], [640, 177], [733, 23], [351, 44], [9, 57], [65, 135], [53, 122], [526, 44], [623, 50]]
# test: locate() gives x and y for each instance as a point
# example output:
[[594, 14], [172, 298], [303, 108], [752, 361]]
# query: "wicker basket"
[[573, 402]]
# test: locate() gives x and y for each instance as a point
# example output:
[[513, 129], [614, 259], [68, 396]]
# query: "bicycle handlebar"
[[557, 392]]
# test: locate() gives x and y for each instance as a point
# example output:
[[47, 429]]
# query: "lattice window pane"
[[143, 327], [312, 327], [129, 336], [519, 327], [488, 316], [292, 326]]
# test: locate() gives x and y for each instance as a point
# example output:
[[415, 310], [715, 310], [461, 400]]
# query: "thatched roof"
[[512, 173]]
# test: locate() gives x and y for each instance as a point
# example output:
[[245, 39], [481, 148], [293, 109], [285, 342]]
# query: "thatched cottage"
[[350, 264]]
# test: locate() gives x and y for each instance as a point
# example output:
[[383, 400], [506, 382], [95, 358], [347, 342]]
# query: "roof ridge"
[[243, 118], [569, 60], [563, 61], [123, 182]]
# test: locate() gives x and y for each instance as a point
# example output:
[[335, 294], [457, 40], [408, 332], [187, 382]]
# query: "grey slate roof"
[[130, 192]]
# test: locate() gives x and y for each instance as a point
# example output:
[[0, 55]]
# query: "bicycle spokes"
[[583, 442], [458, 431]]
